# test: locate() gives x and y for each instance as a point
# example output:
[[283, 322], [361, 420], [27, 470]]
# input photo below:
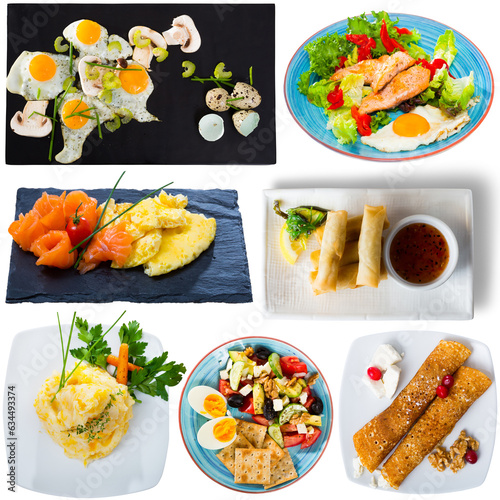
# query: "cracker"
[[226, 455], [252, 466], [283, 472], [277, 453], [255, 433]]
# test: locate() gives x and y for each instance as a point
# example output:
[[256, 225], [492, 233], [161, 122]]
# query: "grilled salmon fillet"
[[403, 86], [397, 62], [368, 68]]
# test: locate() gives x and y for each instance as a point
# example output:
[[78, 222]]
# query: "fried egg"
[[89, 415], [422, 126], [217, 433], [118, 48], [88, 37], [207, 402], [135, 88], [76, 129], [38, 75]]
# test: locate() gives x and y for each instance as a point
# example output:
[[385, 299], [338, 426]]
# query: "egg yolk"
[[88, 32], [410, 125], [42, 67], [74, 106], [214, 405], [225, 430], [134, 82]]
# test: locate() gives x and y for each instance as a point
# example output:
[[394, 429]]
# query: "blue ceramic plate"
[[207, 373], [469, 58]]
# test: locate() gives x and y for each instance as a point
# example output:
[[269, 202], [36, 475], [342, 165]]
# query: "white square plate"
[[287, 288], [136, 464], [358, 405]]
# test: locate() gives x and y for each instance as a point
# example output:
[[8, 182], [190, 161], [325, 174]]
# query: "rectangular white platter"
[[288, 292]]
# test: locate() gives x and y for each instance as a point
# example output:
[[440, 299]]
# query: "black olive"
[[235, 400], [269, 411], [262, 353], [316, 407]]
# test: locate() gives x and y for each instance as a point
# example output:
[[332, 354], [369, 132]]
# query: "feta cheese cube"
[[249, 376], [385, 356], [358, 469], [246, 390], [310, 429], [229, 364], [391, 380], [267, 368], [376, 386], [224, 375], [303, 398], [277, 404], [301, 428], [257, 371], [284, 381]]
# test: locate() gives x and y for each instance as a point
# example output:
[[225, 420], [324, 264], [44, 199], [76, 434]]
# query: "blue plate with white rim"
[[207, 373], [469, 58]]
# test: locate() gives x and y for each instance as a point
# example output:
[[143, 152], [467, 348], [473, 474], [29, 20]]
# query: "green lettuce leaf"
[[379, 120], [456, 94], [352, 88], [317, 93], [445, 47], [343, 126]]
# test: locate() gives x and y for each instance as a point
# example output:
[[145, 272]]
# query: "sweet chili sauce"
[[419, 253]]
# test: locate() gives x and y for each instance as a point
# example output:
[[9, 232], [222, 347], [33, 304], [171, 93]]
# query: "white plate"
[[287, 288], [358, 405], [136, 463]]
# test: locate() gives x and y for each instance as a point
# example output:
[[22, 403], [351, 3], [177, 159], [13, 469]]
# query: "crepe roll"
[[377, 438], [332, 248], [352, 230], [435, 424], [370, 246]]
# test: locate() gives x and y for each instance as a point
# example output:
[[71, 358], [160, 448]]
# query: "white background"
[[189, 331]]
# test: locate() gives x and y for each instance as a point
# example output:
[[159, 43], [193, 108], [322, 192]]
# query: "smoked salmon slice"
[[50, 207], [111, 243], [87, 207], [52, 249], [27, 229]]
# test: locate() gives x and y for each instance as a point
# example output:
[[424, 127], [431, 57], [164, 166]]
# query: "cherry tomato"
[[259, 419], [291, 365], [225, 388], [247, 406], [78, 228], [310, 439]]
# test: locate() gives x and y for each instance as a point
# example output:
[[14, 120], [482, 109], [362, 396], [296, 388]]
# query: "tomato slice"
[[292, 440], [259, 419], [291, 365], [247, 406], [225, 388], [288, 428], [310, 439]]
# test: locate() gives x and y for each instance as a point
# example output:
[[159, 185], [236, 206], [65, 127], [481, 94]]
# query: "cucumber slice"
[[287, 413], [314, 420], [235, 374], [274, 363], [258, 399], [293, 391], [275, 432], [240, 356]]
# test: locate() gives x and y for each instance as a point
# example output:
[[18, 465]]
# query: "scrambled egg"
[[166, 236], [89, 415]]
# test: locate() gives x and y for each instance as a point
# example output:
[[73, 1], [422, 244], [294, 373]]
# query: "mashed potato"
[[89, 415]]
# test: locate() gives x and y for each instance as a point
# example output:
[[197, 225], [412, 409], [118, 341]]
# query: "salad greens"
[[331, 51], [301, 220]]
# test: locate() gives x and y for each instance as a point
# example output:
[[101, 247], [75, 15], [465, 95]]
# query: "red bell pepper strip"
[[364, 44], [403, 31], [434, 65], [362, 121], [336, 100], [389, 43], [342, 60]]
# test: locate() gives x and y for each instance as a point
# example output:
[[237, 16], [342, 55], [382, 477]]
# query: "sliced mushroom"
[[143, 55], [216, 99], [183, 33], [246, 121], [247, 97], [91, 76], [36, 126]]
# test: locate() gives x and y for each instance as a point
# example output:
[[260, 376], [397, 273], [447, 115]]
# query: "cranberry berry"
[[442, 391], [471, 457], [374, 373], [448, 381]]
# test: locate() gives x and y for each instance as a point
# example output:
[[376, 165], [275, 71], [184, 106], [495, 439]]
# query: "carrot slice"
[[122, 369], [113, 361]]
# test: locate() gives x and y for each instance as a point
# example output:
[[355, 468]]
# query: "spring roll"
[[332, 248], [352, 230], [435, 424], [379, 436], [370, 246]]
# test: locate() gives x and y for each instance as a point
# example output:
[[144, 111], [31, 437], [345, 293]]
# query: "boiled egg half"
[[207, 402], [217, 433]]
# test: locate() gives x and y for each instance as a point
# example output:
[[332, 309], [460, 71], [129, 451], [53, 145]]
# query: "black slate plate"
[[220, 274], [240, 35]]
